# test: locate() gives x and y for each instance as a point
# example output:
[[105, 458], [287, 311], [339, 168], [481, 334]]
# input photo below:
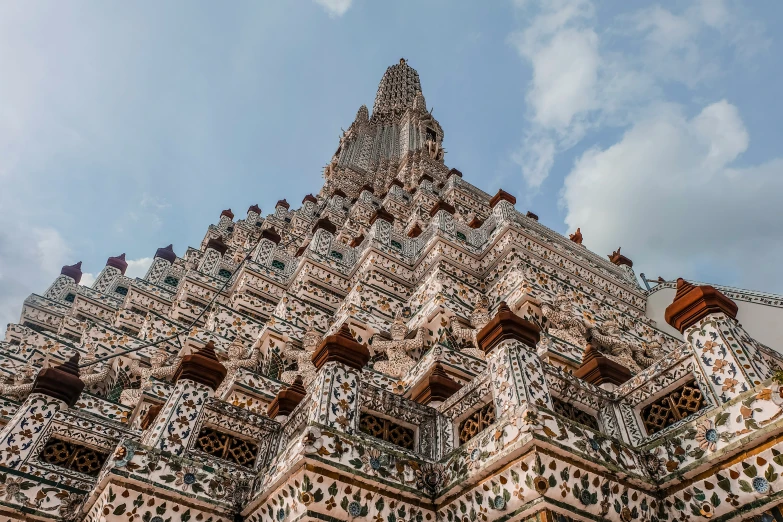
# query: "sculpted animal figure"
[[478, 320], [303, 358], [237, 358], [396, 349], [131, 397]]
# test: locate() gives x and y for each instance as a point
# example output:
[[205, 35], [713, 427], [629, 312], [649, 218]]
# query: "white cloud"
[[585, 78], [138, 267], [335, 8], [667, 194], [31, 259], [88, 279]]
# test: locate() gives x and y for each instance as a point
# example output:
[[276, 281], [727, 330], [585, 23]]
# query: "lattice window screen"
[[682, 402]]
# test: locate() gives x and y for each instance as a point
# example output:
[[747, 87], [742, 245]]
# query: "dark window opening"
[[225, 274], [387, 430], [673, 407], [171, 281], [122, 290], [571, 412], [279, 265], [73, 456], [476, 422], [227, 447], [70, 298]]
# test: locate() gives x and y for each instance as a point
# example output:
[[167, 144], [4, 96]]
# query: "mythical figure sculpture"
[[156, 369], [608, 340], [635, 356], [237, 358], [478, 320], [93, 374], [434, 149], [21, 384], [399, 362], [331, 169], [576, 237], [303, 358], [563, 322]]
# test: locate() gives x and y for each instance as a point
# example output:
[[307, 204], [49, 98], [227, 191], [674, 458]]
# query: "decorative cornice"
[[504, 326], [118, 262], [271, 235], [202, 367], [216, 243], [618, 259], [74, 271], [693, 303], [502, 195], [382, 214], [166, 253], [61, 382], [597, 369], [342, 348], [438, 386], [287, 399], [325, 224], [442, 205]]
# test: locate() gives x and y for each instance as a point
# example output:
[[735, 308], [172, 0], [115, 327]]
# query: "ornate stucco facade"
[[401, 347]]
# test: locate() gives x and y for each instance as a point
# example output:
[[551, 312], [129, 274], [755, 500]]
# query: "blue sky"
[[128, 126]]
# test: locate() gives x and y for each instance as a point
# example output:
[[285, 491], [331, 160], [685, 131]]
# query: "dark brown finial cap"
[[283, 203], [254, 208], [325, 224], [415, 231], [355, 242], [166, 253], [383, 215], [309, 197], [61, 382], [532, 215], [73, 271], [368, 188], [437, 387], [442, 205], [271, 235], [693, 303], [216, 243], [426, 177], [227, 213], [507, 325], [502, 195], [342, 348], [287, 399], [475, 223], [118, 262], [618, 259], [338, 192], [597, 369], [454, 172], [202, 367]]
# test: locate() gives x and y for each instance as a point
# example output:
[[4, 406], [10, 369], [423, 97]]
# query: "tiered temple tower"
[[401, 347]]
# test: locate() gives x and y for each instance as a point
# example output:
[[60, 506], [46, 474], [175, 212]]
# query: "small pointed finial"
[[402, 61]]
